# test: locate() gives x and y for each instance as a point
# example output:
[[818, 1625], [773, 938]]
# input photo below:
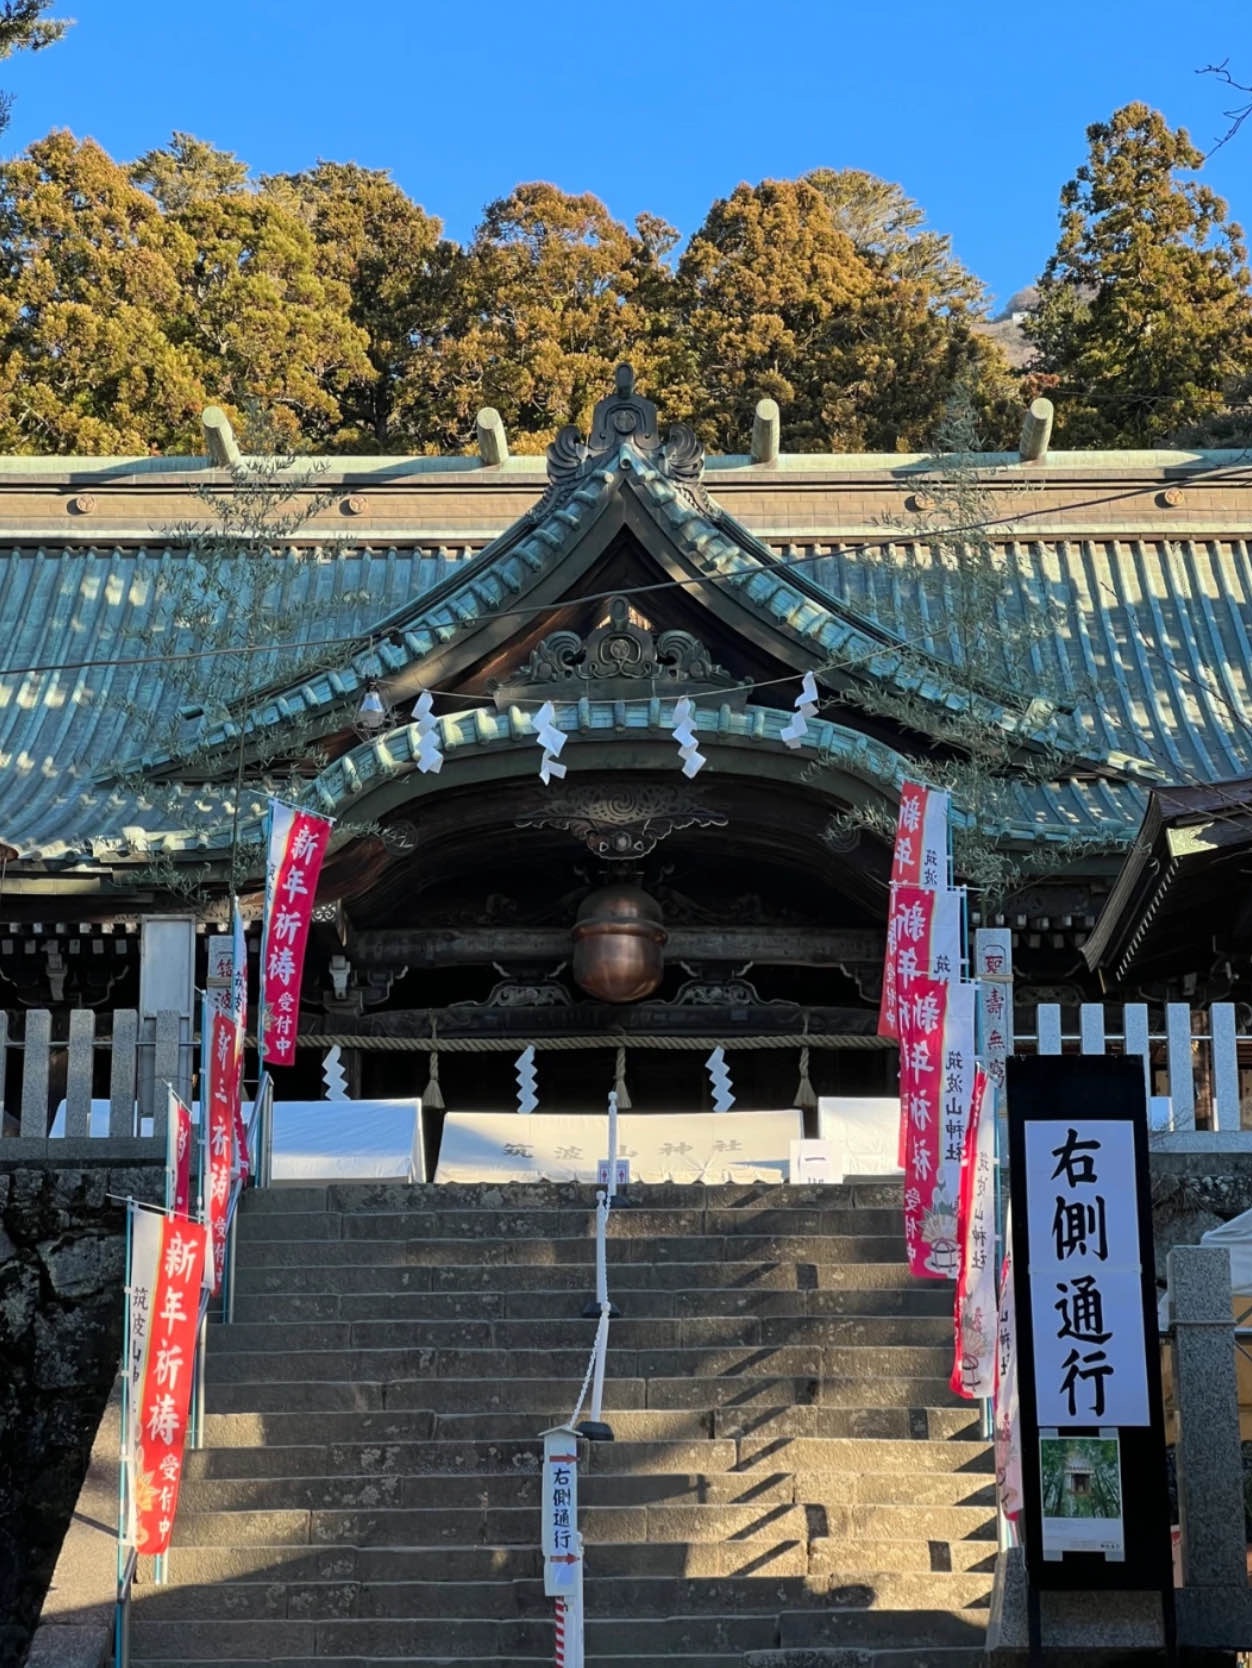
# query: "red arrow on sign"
[[563, 1558]]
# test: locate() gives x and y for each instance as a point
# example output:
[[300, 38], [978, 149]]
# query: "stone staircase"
[[792, 1483]]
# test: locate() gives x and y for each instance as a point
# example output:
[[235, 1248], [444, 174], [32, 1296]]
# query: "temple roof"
[[1148, 672]]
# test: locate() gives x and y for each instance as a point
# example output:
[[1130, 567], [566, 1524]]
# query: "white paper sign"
[[623, 1172], [863, 1133], [561, 1550], [1086, 1283], [812, 1161]]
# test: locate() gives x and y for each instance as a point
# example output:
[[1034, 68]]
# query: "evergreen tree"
[[774, 298], [400, 274], [255, 317], [886, 224], [1144, 322], [91, 272], [551, 298]]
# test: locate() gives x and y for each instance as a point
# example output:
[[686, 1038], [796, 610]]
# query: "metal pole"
[[602, 1350], [197, 1395], [228, 1273], [121, 1620]]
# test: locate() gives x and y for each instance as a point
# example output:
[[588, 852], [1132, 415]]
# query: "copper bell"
[[619, 944]]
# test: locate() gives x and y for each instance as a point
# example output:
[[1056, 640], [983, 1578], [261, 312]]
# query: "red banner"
[[973, 1368], [297, 844], [221, 1096], [936, 1084], [239, 1021], [920, 857], [178, 1156], [163, 1390]]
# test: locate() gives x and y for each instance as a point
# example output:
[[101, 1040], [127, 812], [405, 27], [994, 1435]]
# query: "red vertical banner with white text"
[[973, 1368], [219, 1134], [297, 844], [920, 854], [936, 1087], [161, 1380], [239, 1023]]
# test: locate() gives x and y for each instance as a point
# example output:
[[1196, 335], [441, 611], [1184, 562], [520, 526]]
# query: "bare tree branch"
[[1239, 114]]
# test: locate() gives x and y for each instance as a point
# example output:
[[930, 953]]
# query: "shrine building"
[[625, 915]]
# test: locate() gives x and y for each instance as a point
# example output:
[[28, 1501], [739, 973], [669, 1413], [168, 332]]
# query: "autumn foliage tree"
[[1144, 322]]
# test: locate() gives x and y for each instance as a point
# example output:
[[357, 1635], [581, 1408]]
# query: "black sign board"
[[1096, 1508]]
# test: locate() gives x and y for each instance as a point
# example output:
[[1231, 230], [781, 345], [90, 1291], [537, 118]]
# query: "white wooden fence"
[[1198, 1070], [144, 1054]]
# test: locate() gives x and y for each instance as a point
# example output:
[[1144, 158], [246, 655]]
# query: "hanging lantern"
[[619, 944]]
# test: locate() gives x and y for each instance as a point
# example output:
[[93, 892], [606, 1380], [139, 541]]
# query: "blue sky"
[[978, 111]]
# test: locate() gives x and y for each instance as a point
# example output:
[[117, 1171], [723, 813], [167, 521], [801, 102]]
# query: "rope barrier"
[[513, 1045]]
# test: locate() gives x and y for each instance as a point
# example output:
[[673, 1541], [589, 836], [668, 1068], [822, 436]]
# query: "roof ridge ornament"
[[618, 660], [626, 418]]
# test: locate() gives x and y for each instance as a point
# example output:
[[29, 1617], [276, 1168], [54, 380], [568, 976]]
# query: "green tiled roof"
[[1153, 646]]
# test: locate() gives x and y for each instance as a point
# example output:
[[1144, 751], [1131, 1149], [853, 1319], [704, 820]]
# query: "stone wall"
[[62, 1255], [1193, 1192]]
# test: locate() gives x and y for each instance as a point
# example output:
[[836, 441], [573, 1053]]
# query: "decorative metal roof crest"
[[619, 660], [626, 418]]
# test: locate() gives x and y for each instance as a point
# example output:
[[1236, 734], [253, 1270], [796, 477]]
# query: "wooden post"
[[766, 432]]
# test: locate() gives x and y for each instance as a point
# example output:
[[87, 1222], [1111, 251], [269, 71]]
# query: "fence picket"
[[1137, 1039], [1091, 1027], [1181, 1074], [122, 1072], [1048, 1028], [165, 1064], [79, 1073], [1225, 1066], [35, 1064]]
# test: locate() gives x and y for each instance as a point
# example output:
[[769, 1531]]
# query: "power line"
[[366, 639]]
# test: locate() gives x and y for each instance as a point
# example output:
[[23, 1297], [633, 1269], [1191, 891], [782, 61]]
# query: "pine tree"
[[1144, 322]]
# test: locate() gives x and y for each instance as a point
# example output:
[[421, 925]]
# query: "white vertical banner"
[[993, 969], [562, 1552], [141, 1284], [1086, 1281]]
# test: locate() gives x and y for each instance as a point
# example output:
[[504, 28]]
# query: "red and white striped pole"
[[560, 1633]]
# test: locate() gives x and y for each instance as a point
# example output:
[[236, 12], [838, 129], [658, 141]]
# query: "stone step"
[[287, 1197], [533, 1270], [297, 1563], [849, 1250], [911, 1426], [630, 1596], [917, 1421], [824, 1561], [745, 1458], [672, 1636], [386, 1526], [701, 1332], [886, 1363], [552, 1399], [434, 1491], [284, 1307], [441, 1223]]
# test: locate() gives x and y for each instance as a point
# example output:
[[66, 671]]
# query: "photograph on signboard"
[[1081, 1489]]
